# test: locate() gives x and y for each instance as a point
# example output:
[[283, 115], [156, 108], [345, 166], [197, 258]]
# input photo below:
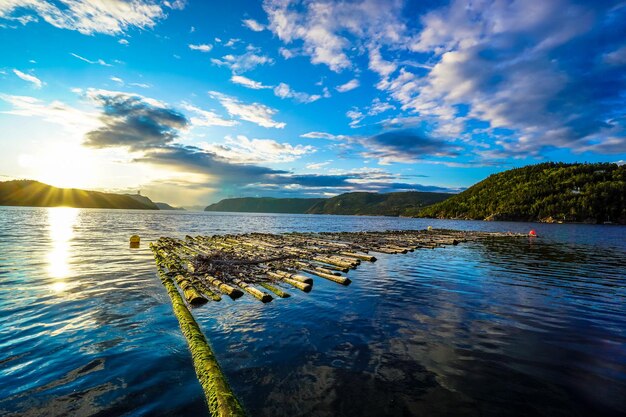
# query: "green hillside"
[[264, 205], [36, 194], [389, 204], [592, 193]]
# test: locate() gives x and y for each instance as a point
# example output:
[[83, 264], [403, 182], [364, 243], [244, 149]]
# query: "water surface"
[[496, 328]]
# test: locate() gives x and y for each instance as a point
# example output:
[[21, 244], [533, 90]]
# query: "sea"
[[501, 327]]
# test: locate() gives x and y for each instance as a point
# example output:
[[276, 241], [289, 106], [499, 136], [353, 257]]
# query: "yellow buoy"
[[430, 228], [134, 241]]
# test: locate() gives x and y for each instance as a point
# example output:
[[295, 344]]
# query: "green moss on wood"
[[220, 398]]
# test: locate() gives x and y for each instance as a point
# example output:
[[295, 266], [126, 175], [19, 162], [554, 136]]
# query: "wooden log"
[[359, 256], [299, 285], [390, 250], [334, 278], [318, 268], [263, 296], [333, 267], [206, 290], [331, 261], [275, 290], [192, 295], [232, 292], [297, 277], [220, 398]]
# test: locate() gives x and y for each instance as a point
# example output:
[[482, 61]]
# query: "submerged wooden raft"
[[204, 268], [207, 267]]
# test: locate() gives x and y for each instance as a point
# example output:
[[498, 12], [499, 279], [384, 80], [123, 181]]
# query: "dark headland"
[[30, 193]]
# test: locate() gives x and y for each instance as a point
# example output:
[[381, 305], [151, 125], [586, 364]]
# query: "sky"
[[194, 101]]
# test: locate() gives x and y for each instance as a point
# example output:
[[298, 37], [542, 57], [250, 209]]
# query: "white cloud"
[[257, 113], [88, 17], [356, 117], [123, 42], [283, 90], [378, 107], [242, 63], [240, 149], [381, 66], [247, 82], [54, 112], [205, 118], [141, 85], [323, 135], [350, 85], [29, 78], [231, 42], [617, 57], [201, 47], [318, 165], [286, 53], [253, 25], [324, 27], [97, 62]]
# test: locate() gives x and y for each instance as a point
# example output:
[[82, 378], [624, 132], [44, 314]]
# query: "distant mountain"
[[36, 194], [165, 206], [194, 208], [373, 204], [549, 192], [391, 204], [264, 205]]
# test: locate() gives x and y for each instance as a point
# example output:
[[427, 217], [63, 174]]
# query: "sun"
[[65, 167]]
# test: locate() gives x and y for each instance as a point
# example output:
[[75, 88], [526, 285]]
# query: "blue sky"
[[193, 101]]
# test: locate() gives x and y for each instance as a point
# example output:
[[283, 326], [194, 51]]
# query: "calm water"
[[499, 328]]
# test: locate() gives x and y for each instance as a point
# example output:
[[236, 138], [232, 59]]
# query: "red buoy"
[[532, 233]]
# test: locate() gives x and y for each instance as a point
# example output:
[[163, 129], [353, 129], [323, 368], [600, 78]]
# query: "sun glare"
[[61, 222], [67, 167]]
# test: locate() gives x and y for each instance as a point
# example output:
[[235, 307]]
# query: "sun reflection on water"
[[61, 222]]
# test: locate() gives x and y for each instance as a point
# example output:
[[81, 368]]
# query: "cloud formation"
[[243, 63], [248, 83], [206, 118], [283, 90], [253, 25], [257, 113], [350, 85], [240, 149], [405, 145], [516, 66], [133, 121], [110, 17], [28, 78], [203, 47], [98, 61]]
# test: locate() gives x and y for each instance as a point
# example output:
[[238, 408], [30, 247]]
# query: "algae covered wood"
[[221, 401]]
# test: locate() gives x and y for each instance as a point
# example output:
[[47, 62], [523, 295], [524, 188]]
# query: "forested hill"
[[264, 205], [360, 203], [593, 193], [389, 204], [36, 194]]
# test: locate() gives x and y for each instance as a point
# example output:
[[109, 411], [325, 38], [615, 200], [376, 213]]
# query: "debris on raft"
[[204, 267]]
